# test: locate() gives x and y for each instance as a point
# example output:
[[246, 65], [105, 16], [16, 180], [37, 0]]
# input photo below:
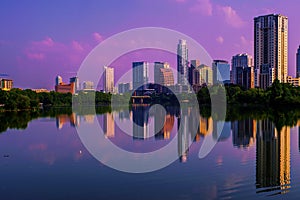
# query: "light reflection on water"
[[253, 159]]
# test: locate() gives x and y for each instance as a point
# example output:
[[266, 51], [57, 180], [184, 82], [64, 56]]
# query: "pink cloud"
[[77, 46], [46, 42], [97, 37], [220, 40], [180, 1], [202, 6], [35, 56], [231, 17]]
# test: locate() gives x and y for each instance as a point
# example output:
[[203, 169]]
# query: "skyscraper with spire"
[[182, 62]]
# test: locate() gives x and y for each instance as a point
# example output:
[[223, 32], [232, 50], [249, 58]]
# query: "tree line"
[[278, 94]]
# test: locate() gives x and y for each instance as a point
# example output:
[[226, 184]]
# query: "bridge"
[[140, 99]]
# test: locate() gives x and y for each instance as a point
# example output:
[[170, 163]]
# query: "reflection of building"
[[140, 115], [108, 125], [167, 126], [221, 130], [270, 49], [221, 71], [243, 133], [272, 157], [182, 63], [140, 74], [205, 126], [61, 120], [183, 137], [108, 79], [6, 84]]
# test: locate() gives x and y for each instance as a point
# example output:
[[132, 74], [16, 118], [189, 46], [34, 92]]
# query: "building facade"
[[108, 80], [221, 71], [6, 84], [182, 63], [140, 75], [157, 72], [270, 49], [124, 87], [240, 60], [194, 65], [298, 63]]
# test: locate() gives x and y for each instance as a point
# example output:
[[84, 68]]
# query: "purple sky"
[[40, 39]]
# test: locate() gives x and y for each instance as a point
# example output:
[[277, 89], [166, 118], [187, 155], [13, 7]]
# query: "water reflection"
[[272, 157], [271, 140]]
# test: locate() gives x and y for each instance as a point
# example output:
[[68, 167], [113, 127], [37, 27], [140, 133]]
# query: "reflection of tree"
[[16, 120]]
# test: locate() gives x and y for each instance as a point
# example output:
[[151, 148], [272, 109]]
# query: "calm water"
[[44, 158]]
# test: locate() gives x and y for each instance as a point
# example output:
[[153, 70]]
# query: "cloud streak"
[[231, 17], [203, 7]]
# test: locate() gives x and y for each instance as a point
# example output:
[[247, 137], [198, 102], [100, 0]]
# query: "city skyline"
[[52, 44]]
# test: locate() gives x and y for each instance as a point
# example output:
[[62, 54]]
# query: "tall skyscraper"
[[140, 74], [194, 65], [221, 71], [240, 60], [108, 80], [270, 49], [298, 63], [182, 62], [242, 71]]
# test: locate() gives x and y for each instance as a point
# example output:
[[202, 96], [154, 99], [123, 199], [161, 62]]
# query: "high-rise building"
[[298, 63], [140, 75], [58, 80], [203, 75], [221, 71], [157, 72], [108, 80], [245, 77], [166, 77], [182, 63], [240, 60], [75, 81], [194, 65], [6, 84], [124, 87], [88, 85], [270, 49]]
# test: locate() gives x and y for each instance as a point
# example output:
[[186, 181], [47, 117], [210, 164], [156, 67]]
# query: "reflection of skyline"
[[167, 126], [272, 157], [183, 139], [73, 119], [243, 133], [140, 116], [108, 125]]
